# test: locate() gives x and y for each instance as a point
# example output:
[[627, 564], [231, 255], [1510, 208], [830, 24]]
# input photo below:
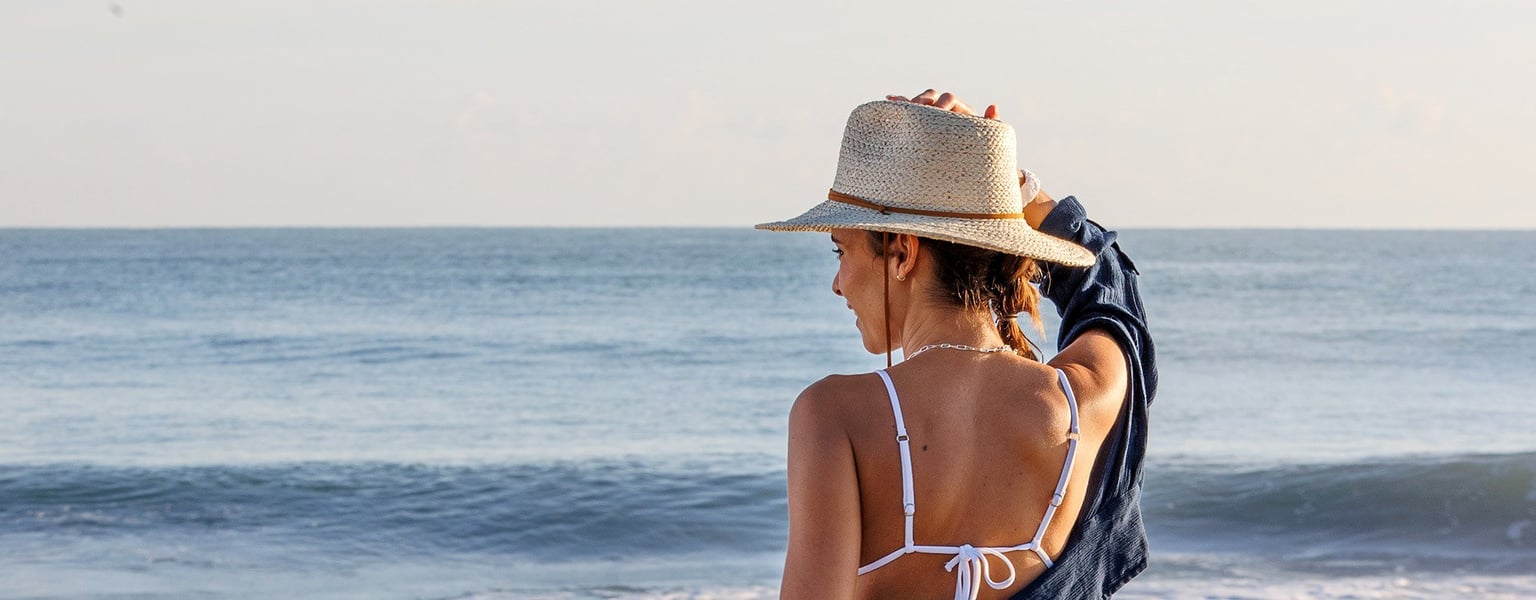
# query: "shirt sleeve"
[[1102, 296]]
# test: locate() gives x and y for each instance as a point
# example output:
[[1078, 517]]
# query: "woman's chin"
[[872, 346]]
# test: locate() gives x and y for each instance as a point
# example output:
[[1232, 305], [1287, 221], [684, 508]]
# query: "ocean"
[[600, 413]]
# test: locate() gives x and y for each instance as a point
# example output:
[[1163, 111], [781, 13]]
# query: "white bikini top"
[[975, 570]]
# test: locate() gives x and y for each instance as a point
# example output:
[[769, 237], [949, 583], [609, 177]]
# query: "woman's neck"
[[930, 324]]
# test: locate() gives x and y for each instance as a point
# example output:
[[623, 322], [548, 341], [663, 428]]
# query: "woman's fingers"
[[951, 102], [928, 97], [963, 108], [946, 101]]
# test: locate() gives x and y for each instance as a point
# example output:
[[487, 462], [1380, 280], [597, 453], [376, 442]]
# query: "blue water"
[[540, 413]]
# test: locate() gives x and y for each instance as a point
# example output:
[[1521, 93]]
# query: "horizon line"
[[1469, 229]]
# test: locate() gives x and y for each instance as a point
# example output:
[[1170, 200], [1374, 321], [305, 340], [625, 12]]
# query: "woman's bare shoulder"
[[832, 395]]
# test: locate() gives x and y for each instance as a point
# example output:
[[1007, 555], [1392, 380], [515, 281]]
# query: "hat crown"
[[907, 155]]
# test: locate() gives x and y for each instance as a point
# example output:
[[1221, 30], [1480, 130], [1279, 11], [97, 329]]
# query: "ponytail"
[[1011, 294]]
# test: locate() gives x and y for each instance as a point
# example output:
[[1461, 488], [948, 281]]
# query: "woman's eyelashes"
[[838, 252]]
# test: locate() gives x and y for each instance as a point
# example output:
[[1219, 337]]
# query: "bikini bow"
[[976, 570]]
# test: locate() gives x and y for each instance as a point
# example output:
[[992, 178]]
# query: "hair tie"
[[1008, 318]]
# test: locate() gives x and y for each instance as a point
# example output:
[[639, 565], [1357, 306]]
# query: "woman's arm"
[[823, 556], [1098, 304], [1106, 347]]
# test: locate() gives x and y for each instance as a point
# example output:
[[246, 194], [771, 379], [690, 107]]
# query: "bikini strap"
[[1073, 435], [908, 500]]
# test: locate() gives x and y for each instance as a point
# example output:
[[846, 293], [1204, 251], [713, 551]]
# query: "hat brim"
[[1010, 236]]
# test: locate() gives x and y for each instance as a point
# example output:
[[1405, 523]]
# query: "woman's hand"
[[1035, 208], [946, 101]]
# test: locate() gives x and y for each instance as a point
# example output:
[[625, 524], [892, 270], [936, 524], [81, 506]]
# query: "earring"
[[900, 277]]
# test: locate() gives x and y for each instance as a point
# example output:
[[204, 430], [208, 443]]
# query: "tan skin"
[[988, 433]]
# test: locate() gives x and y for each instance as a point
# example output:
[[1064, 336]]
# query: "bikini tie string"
[[976, 570]]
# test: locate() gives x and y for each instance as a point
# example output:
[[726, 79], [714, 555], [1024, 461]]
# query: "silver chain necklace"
[[949, 346]]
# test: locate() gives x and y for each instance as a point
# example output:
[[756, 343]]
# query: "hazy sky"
[[435, 112]]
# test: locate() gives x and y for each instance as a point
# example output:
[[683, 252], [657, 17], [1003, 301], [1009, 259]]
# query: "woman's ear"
[[905, 251]]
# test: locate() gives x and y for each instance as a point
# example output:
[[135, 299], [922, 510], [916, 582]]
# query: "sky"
[[1155, 113]]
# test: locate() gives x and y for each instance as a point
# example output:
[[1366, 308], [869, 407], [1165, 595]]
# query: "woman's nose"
[[836, 289]]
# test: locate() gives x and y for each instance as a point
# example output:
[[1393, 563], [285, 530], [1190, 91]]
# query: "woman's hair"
[[981, 279]]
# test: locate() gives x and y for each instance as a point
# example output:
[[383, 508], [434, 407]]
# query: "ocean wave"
[[1472, 507], [1478, 510], [540, 510]]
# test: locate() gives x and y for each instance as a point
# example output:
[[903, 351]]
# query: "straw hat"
[[910, 168]]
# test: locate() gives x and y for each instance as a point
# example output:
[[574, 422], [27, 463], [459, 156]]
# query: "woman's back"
[[988, 440]]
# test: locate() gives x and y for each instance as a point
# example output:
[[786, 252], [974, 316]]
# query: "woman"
[[1021, 479]]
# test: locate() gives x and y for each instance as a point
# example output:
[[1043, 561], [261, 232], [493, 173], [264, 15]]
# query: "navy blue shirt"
[[1108, 545]]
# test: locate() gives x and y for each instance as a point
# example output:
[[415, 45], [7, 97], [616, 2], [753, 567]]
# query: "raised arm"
[[1104, 338], [1096, 302]]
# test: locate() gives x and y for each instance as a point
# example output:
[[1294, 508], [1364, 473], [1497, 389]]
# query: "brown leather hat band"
[[836, 196]]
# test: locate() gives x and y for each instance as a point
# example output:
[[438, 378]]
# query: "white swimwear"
[[975, 566]]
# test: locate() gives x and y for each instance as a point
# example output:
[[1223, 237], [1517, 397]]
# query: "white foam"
[[1394, 585]]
